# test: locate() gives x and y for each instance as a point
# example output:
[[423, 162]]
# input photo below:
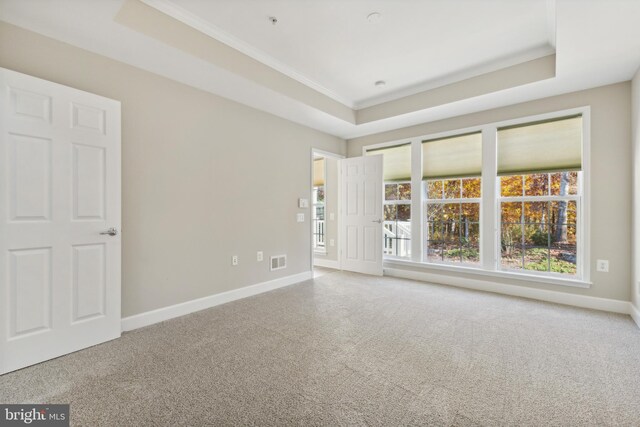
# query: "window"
[[539, 217], [453, 220], [498, 198], [397, 199], [452, 193], [318, 206], [540, 196], [397, 219]]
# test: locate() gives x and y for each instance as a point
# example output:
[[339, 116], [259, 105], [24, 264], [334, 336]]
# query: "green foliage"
[[539, 237], [536, 259], [557, 266], [561, 266], [465, 252]]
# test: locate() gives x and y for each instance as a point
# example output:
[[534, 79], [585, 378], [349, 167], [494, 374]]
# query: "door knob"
[[111, 232], [379, 221]]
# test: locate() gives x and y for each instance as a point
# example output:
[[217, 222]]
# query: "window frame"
[[583, 204], [396, 203], [416, 208], [459, 201], [320, 250], [546, 198], [489, 240]]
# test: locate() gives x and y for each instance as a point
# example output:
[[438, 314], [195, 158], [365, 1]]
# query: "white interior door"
[[59, 192], [361, 214]]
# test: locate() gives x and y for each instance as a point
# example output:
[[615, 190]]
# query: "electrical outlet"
[[602, 265], [303, 203], [332, 242], [300, 217], [234, 260], [332, 216], [259, 256]]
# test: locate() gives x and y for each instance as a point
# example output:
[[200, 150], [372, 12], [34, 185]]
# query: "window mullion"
[[417, 236], [489, 205]]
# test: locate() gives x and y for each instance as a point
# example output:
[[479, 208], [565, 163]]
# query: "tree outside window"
[[539, 219], [453, 220]]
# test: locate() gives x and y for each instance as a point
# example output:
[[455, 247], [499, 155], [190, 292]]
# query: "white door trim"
[[319, 152]]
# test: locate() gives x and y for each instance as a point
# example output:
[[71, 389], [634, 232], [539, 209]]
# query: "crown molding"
[[169, 8], [213, 31], [531, 54]]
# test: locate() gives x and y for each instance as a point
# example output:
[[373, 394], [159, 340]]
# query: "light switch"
[[332, 242], [332, 216], [303, 203], [300, 217]]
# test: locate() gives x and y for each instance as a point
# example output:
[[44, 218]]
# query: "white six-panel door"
[[361, 214], [59, 190]]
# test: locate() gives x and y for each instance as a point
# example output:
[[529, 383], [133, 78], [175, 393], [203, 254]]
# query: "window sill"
[[575, 283]]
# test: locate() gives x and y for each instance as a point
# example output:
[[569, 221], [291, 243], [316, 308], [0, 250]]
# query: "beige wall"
[[635, 122], [611, 175], [204, 178]]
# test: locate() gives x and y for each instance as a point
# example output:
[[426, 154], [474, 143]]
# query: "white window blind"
[[318, 172], [548, 146], [458, 156], [396, 162]]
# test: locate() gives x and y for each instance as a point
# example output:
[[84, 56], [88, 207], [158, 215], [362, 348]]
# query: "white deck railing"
[[318, 234], [397, 238]]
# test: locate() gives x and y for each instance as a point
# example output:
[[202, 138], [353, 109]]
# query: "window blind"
[[457, 156], [396, 162], [548, 146], [318, 172]]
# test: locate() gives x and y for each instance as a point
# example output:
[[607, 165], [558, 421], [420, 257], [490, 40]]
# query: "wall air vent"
[[278, 262]]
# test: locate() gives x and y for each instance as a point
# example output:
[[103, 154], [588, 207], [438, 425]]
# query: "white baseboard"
[[584, 301], [177, 310], [327, 263], [635, 313]]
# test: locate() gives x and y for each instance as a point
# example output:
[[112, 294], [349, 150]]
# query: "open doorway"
[[324, 206]]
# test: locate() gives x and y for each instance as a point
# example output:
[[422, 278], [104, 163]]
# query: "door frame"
[[336, 156]]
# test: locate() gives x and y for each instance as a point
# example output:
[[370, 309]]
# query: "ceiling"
[[413, 45], [318, 65]]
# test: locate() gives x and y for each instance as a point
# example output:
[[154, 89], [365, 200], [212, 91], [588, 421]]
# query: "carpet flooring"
[[347, 349]]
